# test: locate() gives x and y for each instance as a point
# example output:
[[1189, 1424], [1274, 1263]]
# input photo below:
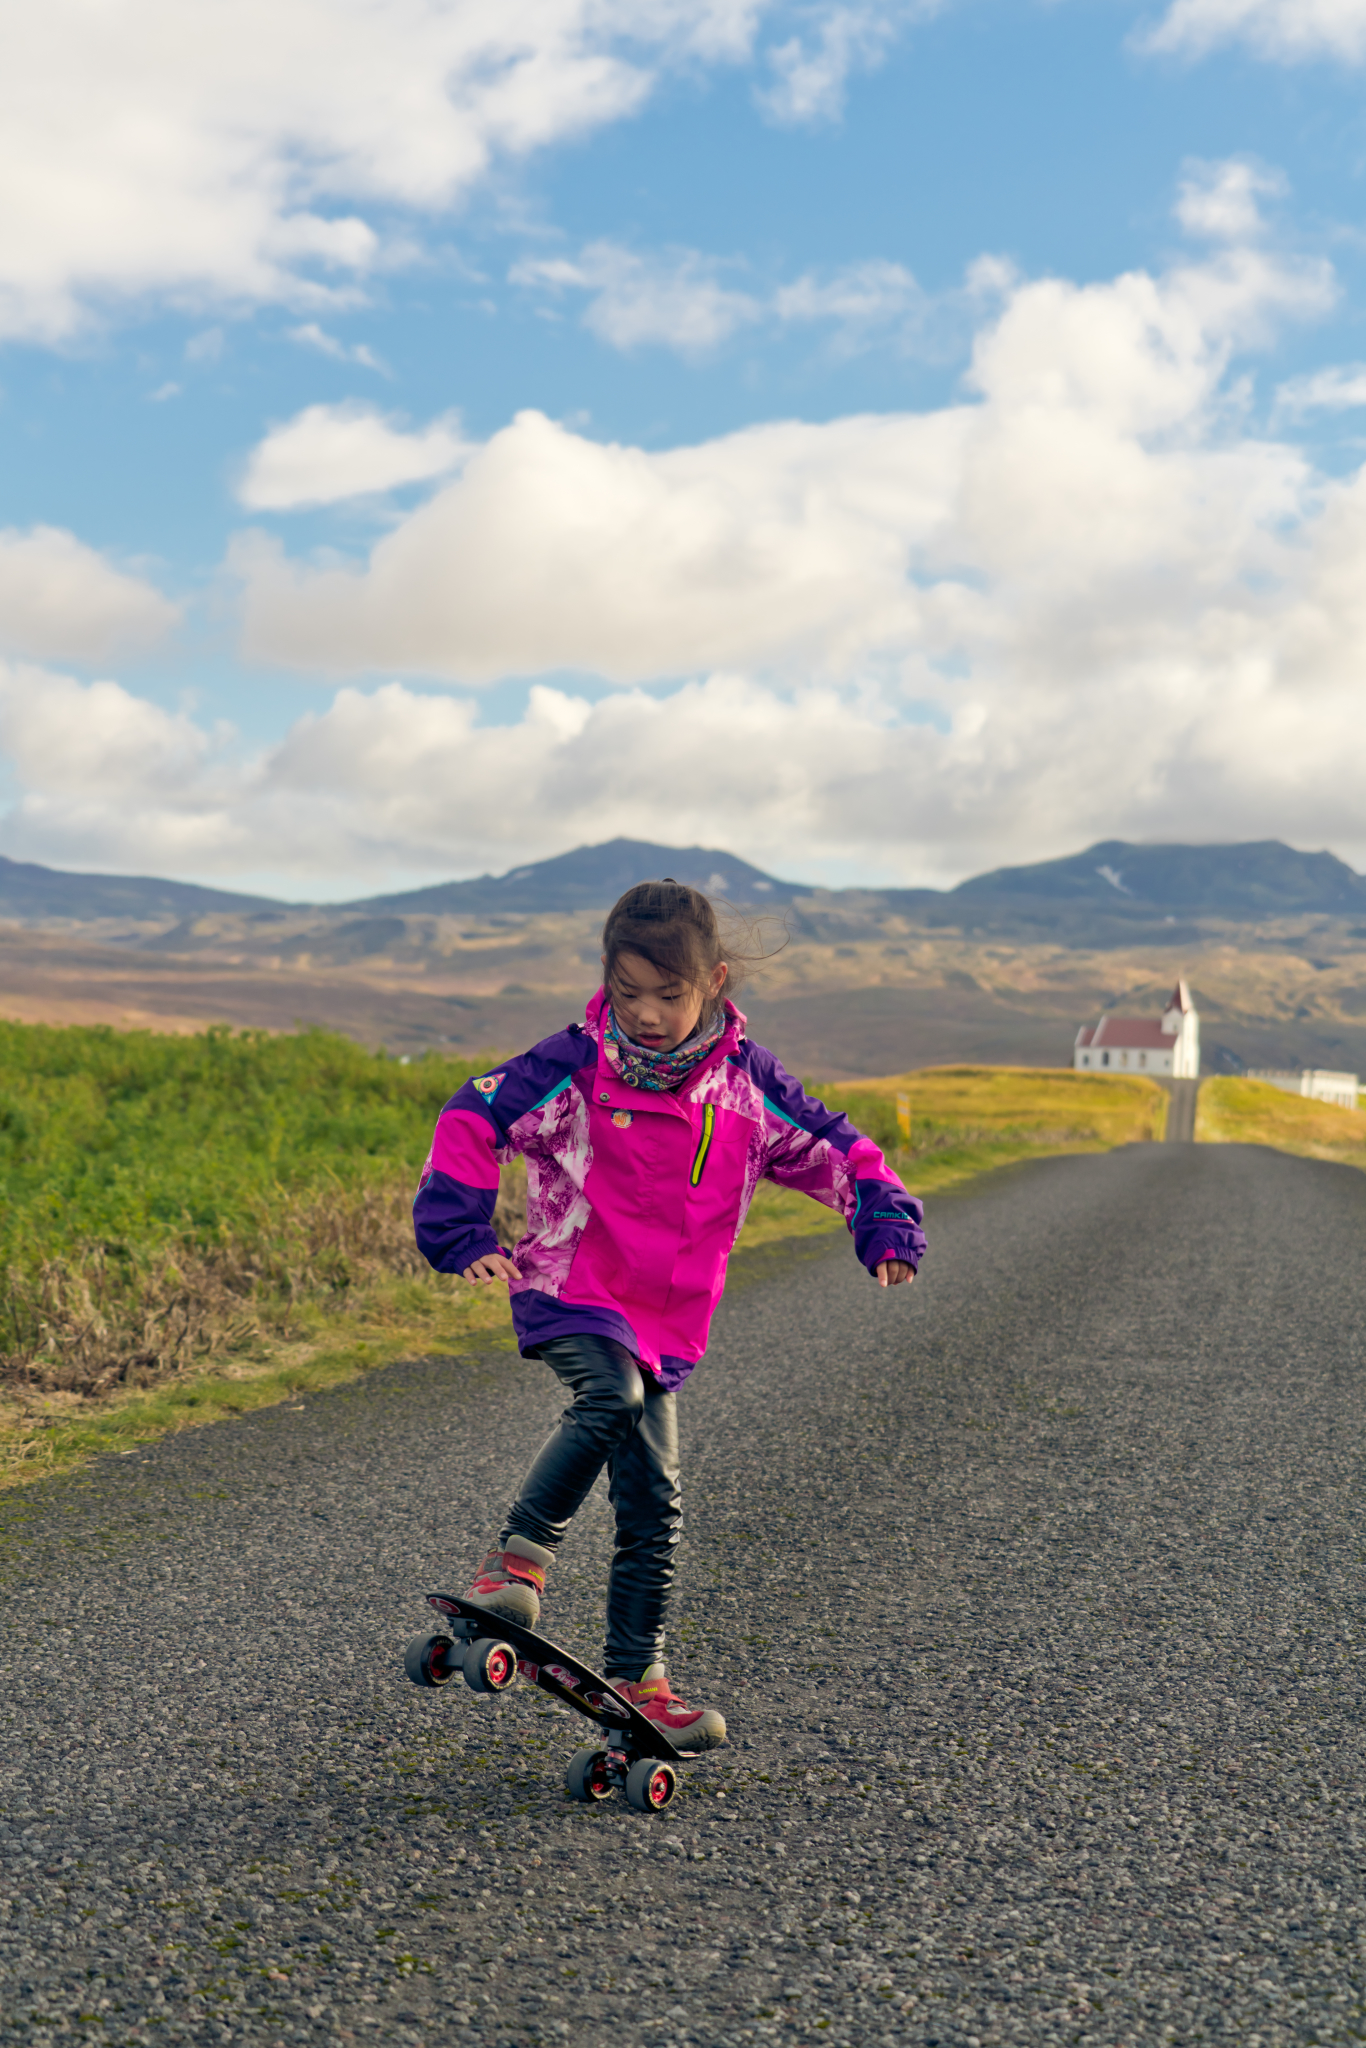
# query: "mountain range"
[[1131, 891], [1258, 878]]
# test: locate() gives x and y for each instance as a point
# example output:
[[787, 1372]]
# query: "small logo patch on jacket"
[[622, 1118], [489, 1084]]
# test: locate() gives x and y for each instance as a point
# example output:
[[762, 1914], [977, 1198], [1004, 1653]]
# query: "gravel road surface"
[[1033, 1595]]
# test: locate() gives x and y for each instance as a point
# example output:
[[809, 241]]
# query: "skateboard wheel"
[[431, 1660], [490, 1666], [650, 1785], [587, 1777]]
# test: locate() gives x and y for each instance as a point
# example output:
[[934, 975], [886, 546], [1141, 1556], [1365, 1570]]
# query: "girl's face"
[[652, 1009]]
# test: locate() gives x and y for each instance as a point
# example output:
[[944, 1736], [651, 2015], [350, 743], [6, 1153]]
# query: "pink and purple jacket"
[[635, 1199]]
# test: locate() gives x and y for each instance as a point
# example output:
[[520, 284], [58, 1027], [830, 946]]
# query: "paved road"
[[1181, 1111], [1034, 1597]]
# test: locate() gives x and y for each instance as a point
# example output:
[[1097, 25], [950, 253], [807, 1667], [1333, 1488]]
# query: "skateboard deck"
[[561, 1674]]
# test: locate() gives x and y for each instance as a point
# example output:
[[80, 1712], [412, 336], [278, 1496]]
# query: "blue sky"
[[885, 440]]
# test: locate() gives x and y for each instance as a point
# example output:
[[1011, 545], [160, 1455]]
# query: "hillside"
[[1258, 879], [1236, 1111], [592, 877], [868, 982], [32, 894]]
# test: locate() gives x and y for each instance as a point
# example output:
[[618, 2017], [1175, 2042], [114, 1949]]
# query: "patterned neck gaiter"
[[660, 1071]]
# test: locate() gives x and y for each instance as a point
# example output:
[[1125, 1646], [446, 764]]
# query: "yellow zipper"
[[703, 1143]]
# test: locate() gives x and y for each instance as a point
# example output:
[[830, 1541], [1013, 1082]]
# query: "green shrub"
[[164, 1199], [131, 1140]]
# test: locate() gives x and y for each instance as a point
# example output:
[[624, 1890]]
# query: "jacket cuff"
[[483, 1247], [904, 1253]]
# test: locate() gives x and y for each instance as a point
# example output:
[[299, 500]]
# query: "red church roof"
[[1141, 1034], [1127, 1034]]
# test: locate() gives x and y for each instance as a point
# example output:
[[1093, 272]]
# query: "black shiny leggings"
[[620, 1417]]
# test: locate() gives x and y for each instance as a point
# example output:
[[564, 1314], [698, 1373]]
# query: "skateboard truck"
[[488, 1652]]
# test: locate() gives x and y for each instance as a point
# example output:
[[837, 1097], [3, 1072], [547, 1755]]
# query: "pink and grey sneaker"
[[510, 1581], [686, 1727]]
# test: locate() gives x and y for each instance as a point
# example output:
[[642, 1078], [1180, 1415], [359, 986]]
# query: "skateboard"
[[488, 1652]]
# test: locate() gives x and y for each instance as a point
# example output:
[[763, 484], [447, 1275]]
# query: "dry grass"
[[96, 1323], [106, 1354], [1233, 1111], [45, 1433]]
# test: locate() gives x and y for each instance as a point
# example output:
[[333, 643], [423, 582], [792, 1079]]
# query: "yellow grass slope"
[[966, 1120], [1234, 1111]]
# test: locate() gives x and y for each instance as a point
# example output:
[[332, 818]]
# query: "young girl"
[[645, 1136]]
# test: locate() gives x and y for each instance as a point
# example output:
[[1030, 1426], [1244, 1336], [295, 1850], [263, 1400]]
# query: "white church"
[[1141, 1045]]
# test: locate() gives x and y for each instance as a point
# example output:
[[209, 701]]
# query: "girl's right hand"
[[494, 1267]]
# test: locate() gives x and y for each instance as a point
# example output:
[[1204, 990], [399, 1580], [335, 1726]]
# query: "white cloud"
[[328, 453], [1340, 389], [60, 600], [206, 346], [1287, 31], [1218, 201], [256, 151], [862, 296], [684, 300], [1246, 727], [675, 299], [811, 71], [880, 304], [107, 778], [1095, 451], [75, 738], [311, 335], [782, 542]]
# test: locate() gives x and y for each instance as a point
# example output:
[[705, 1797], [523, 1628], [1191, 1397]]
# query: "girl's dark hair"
[[676, 930]]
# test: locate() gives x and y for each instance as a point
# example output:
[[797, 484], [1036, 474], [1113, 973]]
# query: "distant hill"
[[36, 893], [1257, 878], [591, 878]]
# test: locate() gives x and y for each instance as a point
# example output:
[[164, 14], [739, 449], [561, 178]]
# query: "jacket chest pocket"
[[719, 1160], [704, 1142]]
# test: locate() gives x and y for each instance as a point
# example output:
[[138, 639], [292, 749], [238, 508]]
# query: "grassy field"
[[1233, 1111], [195, 1226], [966, 1120], [231, 1201]]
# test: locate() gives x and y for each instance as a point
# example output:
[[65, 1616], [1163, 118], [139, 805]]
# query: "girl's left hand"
[[892, 1272], [493, 1266]]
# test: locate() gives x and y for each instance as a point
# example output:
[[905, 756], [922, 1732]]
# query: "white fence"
[[1318, 1083]]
